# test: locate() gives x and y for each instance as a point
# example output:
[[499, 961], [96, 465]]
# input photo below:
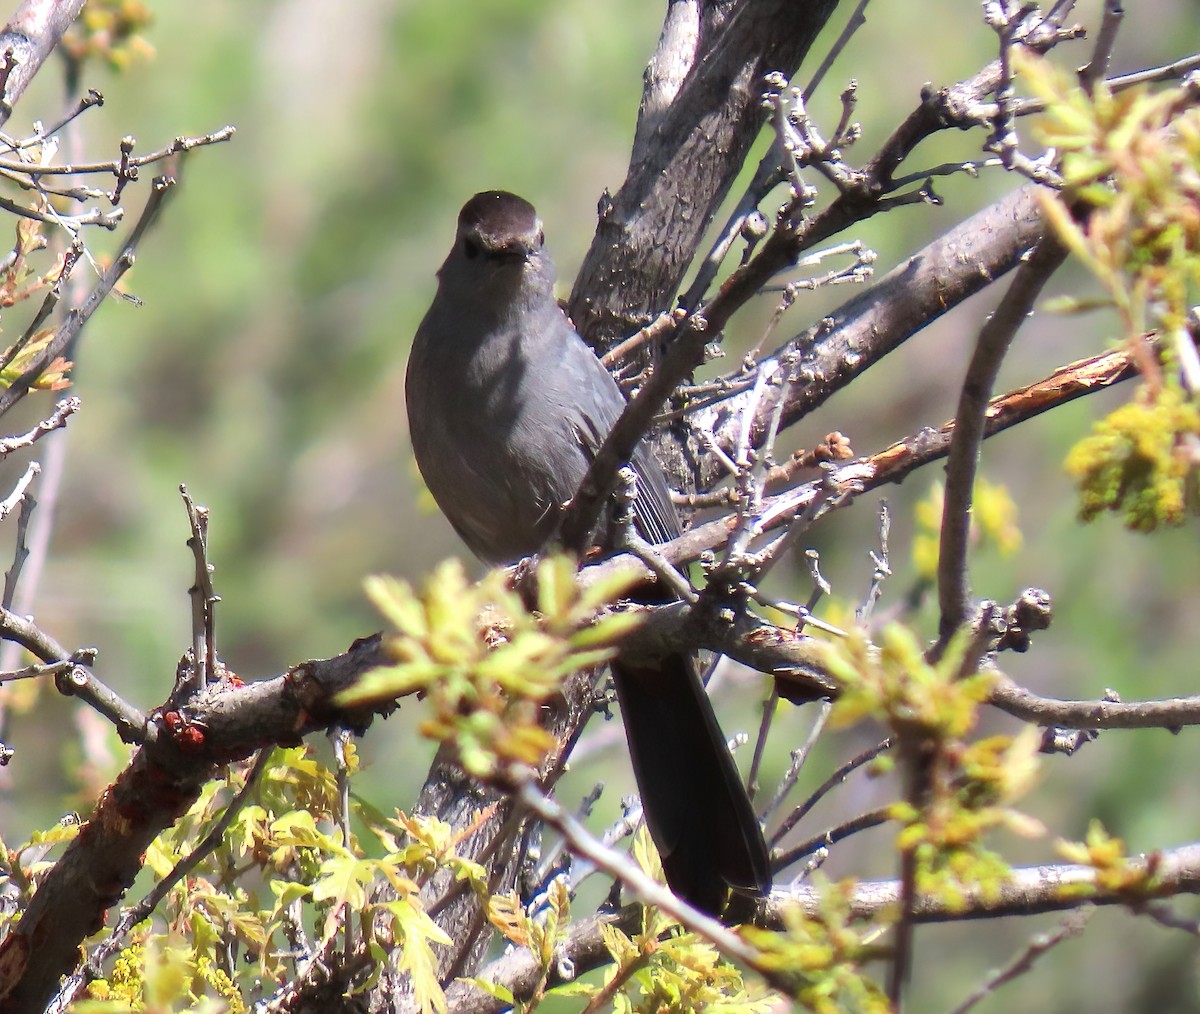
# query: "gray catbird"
[[506, 405]]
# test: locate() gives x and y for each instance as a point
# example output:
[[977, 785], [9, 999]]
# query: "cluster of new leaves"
[[285, 887], [111, 30], [820, 958], [1114, 872], [1136, 461], [656, 969], [1133, 160], [19, 281], [965, 787], [485, 661]]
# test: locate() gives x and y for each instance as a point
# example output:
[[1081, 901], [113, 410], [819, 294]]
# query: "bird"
[[507, 406]]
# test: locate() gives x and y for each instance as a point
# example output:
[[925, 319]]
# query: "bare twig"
[[963, 458], [796, 765], [582, 842], [883, 565], [10, 502], [1167, 713], [857, 19], [204, 597], [830, 783], [37, 670], [58, 418], [114, 166], [863, 822], [1106, 41], [1071, 926], [1164, 915], [78, 316]]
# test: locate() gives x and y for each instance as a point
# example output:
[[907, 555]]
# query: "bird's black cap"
[[498, 222]]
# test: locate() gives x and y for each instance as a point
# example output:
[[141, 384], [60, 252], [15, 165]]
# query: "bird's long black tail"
[[695, 804]]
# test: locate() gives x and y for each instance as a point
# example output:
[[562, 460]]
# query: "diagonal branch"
[[27, 40], [66, 332], [686, 155], [827, 356], [993, 343]]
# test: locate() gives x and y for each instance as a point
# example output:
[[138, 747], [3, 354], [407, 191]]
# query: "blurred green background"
[[265, 371]]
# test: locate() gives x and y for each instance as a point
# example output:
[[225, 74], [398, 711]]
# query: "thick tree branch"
[[27, 40], [1167, 713], [1028, 891], [829, 354], [686, 155], [895, 462], [221, 725]]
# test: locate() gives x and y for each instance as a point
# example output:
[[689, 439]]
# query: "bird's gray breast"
[[494, 436]]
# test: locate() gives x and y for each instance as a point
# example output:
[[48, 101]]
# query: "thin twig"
[[203, 596], [583, 843], [78, 316], [857, 20], [58, 418], [1167, 713], [1106, 41], [1071, 926], [962, 462], [179, 145], [37, 670], [10, 502], [796, 765], [830, 783], [863, 822]]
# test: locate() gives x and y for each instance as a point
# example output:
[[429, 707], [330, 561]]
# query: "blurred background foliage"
[[265, 370]]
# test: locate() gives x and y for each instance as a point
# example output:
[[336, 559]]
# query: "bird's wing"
[[600, 405]]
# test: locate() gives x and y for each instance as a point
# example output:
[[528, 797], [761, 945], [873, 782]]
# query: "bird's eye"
[[541, 238], [470, 248]]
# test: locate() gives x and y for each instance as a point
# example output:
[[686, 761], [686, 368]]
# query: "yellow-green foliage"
[[1137, 461], [1131, 167], [654, 971], [110, 30], [163, 974], [968, 785], [993, 523], [1133, 160], [484, 661], [822, 956], [1114, 870], [284, 869]]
